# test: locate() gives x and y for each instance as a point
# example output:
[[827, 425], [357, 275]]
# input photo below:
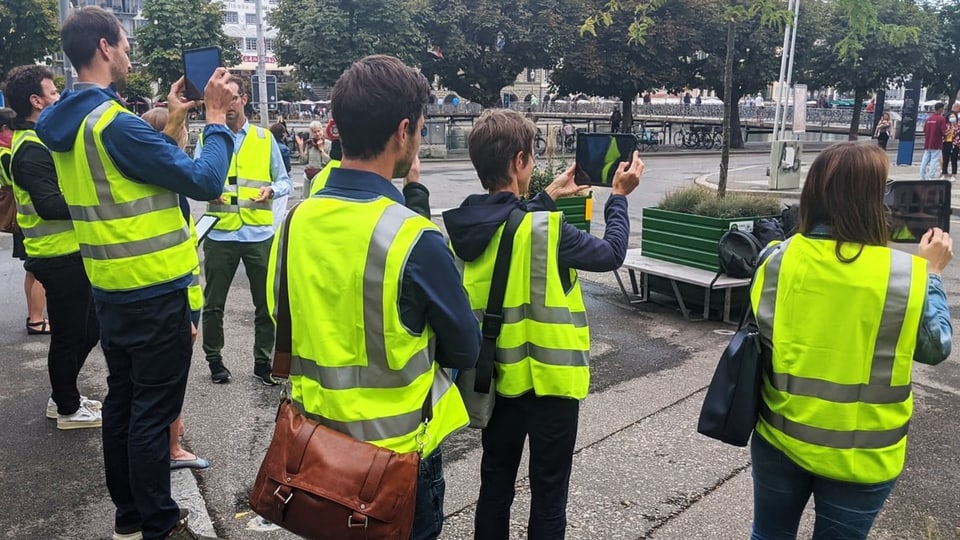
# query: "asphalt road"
[[641, 471]]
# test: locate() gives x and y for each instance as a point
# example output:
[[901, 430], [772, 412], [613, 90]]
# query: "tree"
[[28, 32], [175, 25], [480, 46], [601, 63], [323, 37], [944, 75], [290, 91], [138, 85], [865, 46]]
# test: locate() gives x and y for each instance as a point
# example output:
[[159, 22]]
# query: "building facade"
[[240, 25]]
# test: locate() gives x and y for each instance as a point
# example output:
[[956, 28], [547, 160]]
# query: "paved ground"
[[641, 470]]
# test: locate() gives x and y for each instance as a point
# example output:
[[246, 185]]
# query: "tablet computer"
[[600, 154], [204, 225], [917, 206], [198, 66]]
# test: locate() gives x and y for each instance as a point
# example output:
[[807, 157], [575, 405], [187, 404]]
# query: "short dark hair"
[[23, 82], [7, 117], [279, 132], [938, 106], [241, 88], [83, 30], [494, 141], [371, 98]]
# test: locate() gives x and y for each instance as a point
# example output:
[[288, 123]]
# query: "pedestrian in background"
[[375, 290], [313, 153], [951, 142], [53, 253], [615, 118], [32, 289], [837, 400], [116, 170], [180, 457], [244, 233], [882, 133], [541, 382], [934, 131]]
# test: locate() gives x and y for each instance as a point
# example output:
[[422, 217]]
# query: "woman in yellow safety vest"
[[837, 398]]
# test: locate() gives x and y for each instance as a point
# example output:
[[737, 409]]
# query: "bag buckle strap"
[[285, 496], [357, 521]]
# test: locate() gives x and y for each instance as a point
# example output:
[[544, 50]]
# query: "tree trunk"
[[626, 123], [727, 111], [858, 97], [736, 132]]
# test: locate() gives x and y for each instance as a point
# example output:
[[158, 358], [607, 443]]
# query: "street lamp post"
[[64, 7], [784, 155]]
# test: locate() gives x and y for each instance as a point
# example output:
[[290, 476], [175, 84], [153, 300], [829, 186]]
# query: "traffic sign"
[[271, 92]]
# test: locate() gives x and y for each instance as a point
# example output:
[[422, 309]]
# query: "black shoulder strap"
[[493, 315]]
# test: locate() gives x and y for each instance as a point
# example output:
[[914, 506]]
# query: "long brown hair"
[[844, 191]]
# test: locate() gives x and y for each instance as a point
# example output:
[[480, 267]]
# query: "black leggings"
[[950, 154]]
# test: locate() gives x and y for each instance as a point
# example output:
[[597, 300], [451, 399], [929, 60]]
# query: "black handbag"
[[732, 404], [476, 385]]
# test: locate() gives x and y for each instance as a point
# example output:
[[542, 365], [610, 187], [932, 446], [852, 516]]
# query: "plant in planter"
[[577, 209], [686, 226]]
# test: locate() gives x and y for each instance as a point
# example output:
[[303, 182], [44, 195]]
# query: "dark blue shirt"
[[431, 291]]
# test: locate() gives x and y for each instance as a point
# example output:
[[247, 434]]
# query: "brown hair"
[[83, 30], [157, 118], [844, 191], [496, 138], [371, 98]]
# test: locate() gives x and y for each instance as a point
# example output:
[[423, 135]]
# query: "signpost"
[[908, 122]]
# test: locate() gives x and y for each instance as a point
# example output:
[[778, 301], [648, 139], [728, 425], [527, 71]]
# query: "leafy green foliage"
[[175, 25], [323, 37], [28, 32], [543, 175], [944, 70], [138, 85], [485, 44]]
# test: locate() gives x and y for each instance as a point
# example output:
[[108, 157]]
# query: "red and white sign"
[[253, 58]]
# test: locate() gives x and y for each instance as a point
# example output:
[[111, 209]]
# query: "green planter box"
[[577, 210], [686, 239]]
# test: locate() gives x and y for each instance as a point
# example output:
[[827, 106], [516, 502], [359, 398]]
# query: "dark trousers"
[[949, 158], [781, 489], [882, 140], [428, 516], [147, 347], [551, 424], [221, 260], [75, 329]]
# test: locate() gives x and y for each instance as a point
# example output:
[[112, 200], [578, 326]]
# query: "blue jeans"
[[929, 164], [845, 511], [428, 517]]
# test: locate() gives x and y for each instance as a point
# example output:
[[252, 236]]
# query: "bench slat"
[[648, 265]]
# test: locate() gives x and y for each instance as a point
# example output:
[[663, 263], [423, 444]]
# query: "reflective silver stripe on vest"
[[374, 375], [554, 357], [26, 209], [280, 262], [195, 282], [251, 183], [384, 234], [222, 208], [137, 207], [48, 228], [253, 205], [835, 439], [97, 171], [229, 188], [135, 248], [891, 321], [539, 248], [384, 428], [543, 314], [878, 390]]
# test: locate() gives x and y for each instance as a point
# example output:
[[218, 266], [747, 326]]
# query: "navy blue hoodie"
[[472, 226], [142, 154]]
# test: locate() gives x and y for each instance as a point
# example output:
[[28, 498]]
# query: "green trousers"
[[220, 265]]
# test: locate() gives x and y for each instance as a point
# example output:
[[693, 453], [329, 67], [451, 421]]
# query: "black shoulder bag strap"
[[493, 315], [283, 347]]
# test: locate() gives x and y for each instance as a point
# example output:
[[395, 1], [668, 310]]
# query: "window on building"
[[268, 44], [231, 17], [531, 75], [251, 18], [237, 42], [251, 44]]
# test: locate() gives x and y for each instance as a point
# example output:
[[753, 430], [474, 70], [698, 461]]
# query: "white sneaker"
[[91, 404], [83, 418]]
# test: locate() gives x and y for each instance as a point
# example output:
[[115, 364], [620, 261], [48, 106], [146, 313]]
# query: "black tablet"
[[198, 66], [599, 155], [917, 206]]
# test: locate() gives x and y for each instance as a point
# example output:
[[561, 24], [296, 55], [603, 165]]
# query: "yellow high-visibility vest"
[[320, 180], [249, 171], [132, 235], [838, 398], [6, 156], [41, 238], [544, 343], [356, 368]]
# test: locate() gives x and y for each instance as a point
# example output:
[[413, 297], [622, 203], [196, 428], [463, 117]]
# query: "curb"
[[186, 492], [702, 180]]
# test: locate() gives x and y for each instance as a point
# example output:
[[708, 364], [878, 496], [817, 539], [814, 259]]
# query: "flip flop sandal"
[[198, 463], [39, 327]]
